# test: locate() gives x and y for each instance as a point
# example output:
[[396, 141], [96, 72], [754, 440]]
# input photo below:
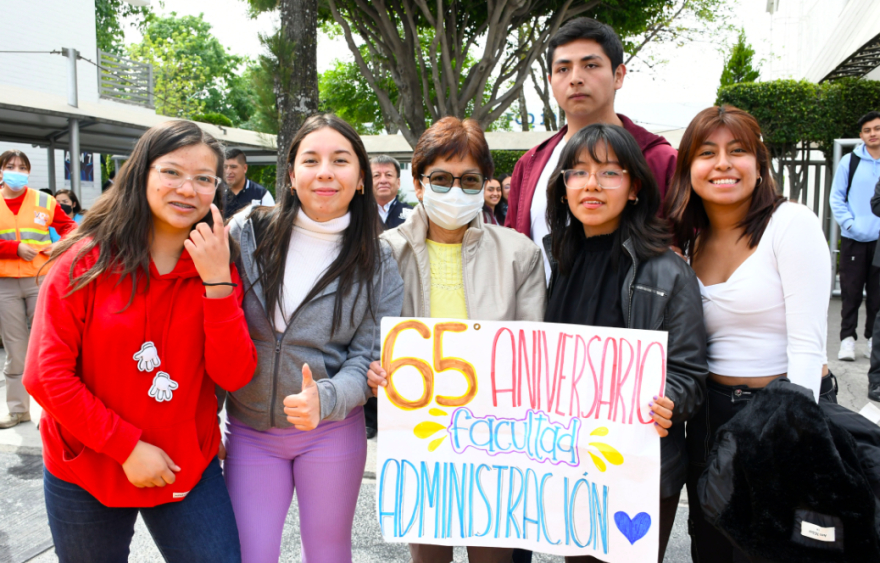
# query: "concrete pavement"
[[367, 543]]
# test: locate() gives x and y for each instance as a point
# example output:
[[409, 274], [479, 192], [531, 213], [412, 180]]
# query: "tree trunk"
[[296, 88], [523, 110]]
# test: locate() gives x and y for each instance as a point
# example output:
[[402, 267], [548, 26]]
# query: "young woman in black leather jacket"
[[611, 266]]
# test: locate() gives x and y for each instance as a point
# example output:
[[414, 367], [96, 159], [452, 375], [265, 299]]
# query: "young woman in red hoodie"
[[138, 318]]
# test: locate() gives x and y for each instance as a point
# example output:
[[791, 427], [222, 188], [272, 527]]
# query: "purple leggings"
[[325, 466]]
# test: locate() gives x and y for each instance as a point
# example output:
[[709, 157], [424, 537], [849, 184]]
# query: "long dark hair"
[[359, 257], [639, 223], [684, 206], [120, 224]]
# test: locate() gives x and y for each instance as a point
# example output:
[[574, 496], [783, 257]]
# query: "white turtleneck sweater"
[[313, 247]]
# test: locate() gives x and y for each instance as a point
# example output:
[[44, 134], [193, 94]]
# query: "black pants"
[[370, 416], [857, 274], [874, 371], [708, 545]]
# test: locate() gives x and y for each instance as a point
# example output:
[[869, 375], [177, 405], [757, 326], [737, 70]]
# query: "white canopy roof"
[[853, 48], [39, 119]]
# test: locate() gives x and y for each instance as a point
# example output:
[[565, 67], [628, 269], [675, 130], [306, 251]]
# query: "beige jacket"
[[503, 271]]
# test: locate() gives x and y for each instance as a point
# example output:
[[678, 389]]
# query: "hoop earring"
[[360, 189], [635, 201], [760, 179], [563, 199]]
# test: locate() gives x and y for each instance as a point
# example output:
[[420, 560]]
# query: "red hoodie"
[[661, 157], [97, 403]]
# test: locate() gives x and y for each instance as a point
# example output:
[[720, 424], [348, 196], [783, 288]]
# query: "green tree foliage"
[[739, 67], [264, 112], [343, 91], [108, 23], [193, 72], [213, 118], [265, 175], [486, 33]]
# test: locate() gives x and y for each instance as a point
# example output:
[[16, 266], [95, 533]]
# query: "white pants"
[[18, 299]]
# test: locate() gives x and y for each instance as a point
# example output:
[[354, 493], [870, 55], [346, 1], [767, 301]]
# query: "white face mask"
[[451, 210]]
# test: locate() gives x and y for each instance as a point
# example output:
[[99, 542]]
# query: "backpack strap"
[[854, 161]]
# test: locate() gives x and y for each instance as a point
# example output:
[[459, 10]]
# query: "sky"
[[667, 96]]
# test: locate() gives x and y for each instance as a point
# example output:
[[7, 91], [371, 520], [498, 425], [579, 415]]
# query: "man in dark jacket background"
[[386, 185], [392, 212], [586, 69], [242, 192]]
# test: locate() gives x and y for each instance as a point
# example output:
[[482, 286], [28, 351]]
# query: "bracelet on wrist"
[[230, 284]]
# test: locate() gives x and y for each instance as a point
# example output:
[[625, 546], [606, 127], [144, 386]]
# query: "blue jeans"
[[199, 528]]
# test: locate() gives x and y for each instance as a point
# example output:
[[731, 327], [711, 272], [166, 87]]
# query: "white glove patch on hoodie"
[[162, 387], [148, 357]]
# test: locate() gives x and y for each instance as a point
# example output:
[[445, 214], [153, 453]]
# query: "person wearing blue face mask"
[[25, 218]]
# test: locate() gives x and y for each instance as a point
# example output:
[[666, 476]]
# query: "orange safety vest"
[[30, 226]]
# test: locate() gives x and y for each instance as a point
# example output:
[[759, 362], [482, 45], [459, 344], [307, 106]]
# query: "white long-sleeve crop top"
[[771, 315]]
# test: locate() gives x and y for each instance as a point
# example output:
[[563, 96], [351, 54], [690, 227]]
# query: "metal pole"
[[51, 164], [74, 158], [71, 54], [833, 228]]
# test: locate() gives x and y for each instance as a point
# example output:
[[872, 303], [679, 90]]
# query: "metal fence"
[[814, 188], [125, 80]]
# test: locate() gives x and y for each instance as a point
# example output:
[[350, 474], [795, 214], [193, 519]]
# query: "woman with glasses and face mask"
[[454, 265], [611, 267], [26, 216], [131, 336]]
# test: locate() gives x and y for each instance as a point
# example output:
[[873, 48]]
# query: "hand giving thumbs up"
[[303, 409]]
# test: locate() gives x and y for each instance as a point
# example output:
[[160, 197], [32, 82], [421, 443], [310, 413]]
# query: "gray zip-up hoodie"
[[339, 363]]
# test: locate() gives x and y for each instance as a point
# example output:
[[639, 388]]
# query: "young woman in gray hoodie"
[[318, 283]]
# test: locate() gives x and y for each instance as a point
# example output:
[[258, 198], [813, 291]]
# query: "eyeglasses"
[[173, 178], [607, 178], [441, 182]]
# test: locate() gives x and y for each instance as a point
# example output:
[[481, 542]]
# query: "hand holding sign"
[[303, 409], [376, 377], [661, 412]]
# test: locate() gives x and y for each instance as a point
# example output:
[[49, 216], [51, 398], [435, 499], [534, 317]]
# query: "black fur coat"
[[783, 479]]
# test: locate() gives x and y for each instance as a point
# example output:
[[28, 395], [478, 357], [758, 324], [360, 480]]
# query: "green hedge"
[[791, 111], [505, 161]]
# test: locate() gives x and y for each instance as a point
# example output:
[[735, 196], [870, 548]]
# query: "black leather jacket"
[[663, 294]]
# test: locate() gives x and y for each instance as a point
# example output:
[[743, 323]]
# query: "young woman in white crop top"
[[765, 280]]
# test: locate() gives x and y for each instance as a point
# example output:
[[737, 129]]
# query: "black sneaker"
[[874, 392], [371, 432]]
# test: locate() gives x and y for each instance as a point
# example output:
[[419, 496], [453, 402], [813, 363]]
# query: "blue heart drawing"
[[633, 529]]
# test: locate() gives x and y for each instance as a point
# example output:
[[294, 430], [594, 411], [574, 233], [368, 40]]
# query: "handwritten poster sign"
[[518, 434]]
